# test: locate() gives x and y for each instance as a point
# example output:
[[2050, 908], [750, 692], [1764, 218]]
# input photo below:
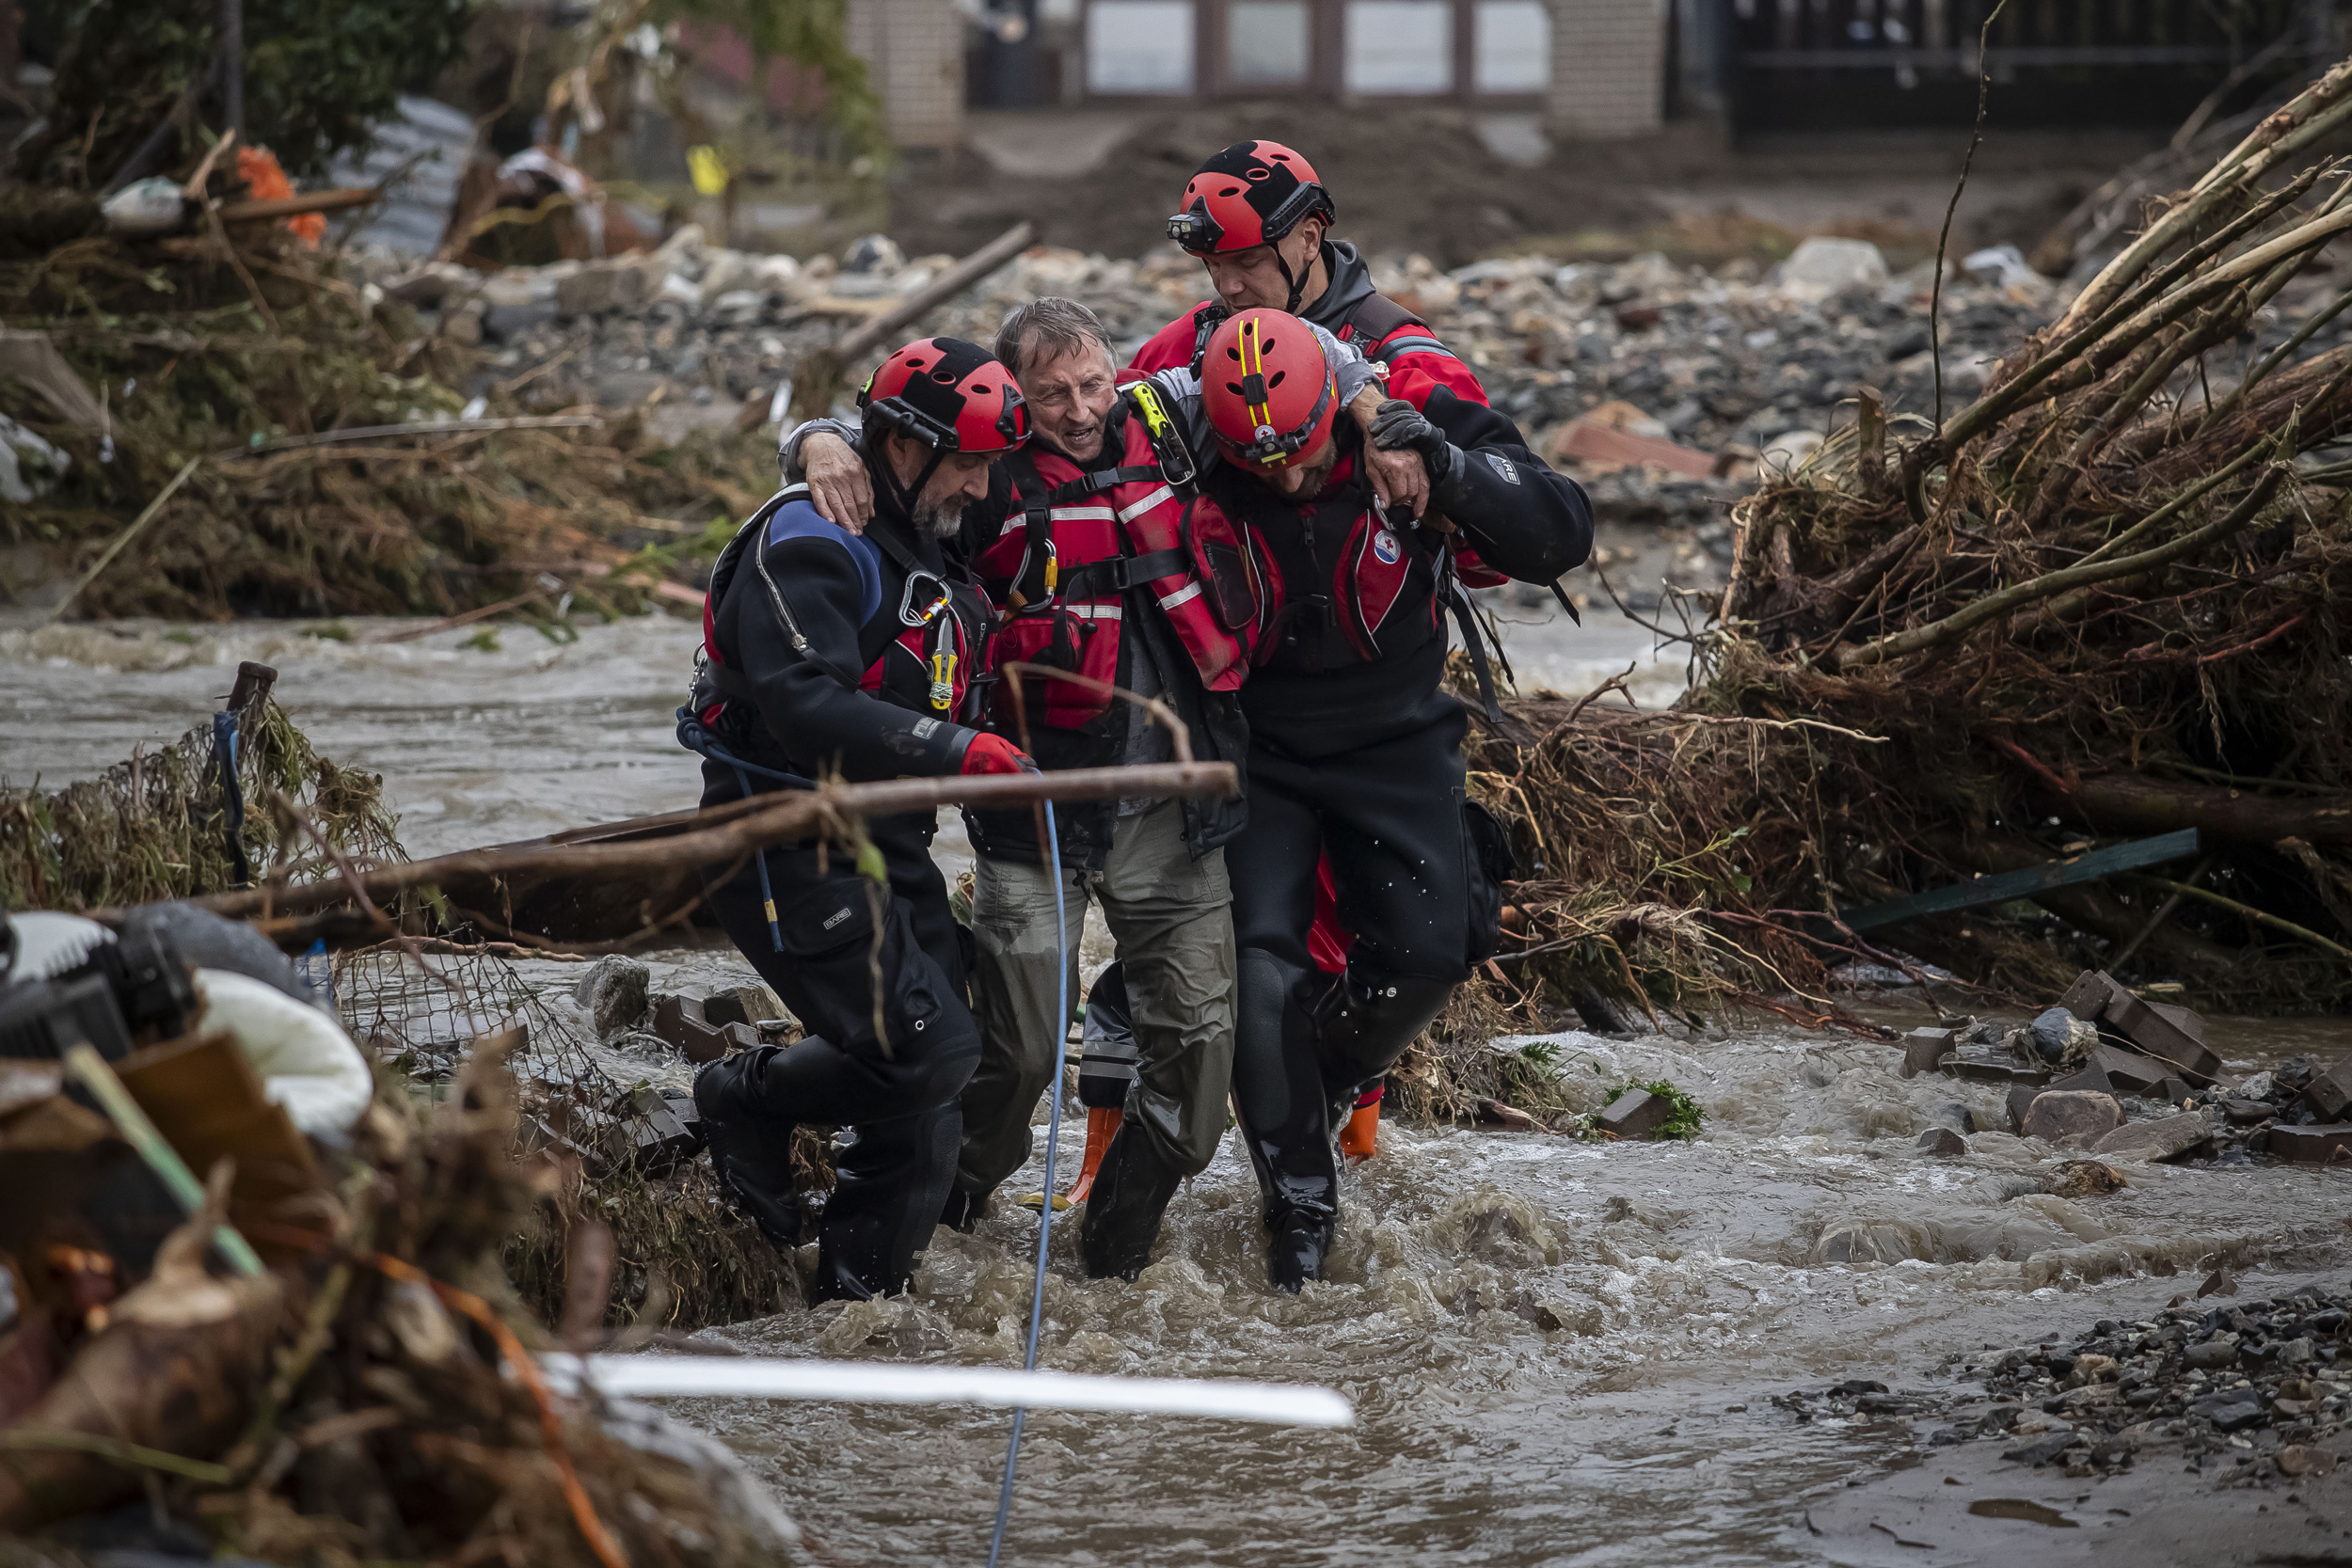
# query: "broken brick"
[[1635, 1114], [679, 1021], [2086, 998], [2163, 1037], [2126, 1071], [1924, 1049], [2021, 1099], [2311, 1146], [2329, 1093]]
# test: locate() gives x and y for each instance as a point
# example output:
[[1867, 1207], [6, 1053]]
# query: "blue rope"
[[1053, 1146]]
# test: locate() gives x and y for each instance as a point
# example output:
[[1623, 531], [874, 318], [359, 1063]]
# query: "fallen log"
[[627, 869]]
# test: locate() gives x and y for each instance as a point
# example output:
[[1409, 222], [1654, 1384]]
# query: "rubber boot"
[[965, 1211], [1122, 1219], [1359, 1139], [750, 1144], [1102, 1128], [1301, 1242], [1283, 1099]]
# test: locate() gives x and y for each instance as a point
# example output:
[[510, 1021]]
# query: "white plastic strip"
[[758, 1377], [1183, 595]]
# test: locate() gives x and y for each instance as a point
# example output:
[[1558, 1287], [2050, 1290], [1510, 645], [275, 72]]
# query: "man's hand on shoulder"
[[838, 484]]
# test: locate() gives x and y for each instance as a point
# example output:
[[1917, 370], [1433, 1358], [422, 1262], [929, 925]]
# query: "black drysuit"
[[832, 651], [1356, 747]]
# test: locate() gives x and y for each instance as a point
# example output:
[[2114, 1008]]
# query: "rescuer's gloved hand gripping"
[[1398, 426], [994, 754]]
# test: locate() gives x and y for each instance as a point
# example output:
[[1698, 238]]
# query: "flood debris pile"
[[325, 1359], [2094, 603], [604, 1107], [292, 443], [2251, 1392], [236, 800]]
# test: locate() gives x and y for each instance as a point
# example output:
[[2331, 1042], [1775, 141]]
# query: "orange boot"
[[1102, 1127], [1361, 1139]]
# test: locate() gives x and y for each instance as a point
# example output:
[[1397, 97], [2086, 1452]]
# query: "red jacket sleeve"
[[1170, 348], [1418, 365]]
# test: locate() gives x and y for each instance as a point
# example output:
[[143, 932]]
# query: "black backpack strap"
[[1100, 579], [1379, 316]]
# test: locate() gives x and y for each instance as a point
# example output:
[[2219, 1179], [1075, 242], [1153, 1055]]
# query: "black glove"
[[1398, 426]]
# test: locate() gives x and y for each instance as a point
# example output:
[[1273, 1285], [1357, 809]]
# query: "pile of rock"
[[2259, 1386], [1720, 366], [2073, 1070], [658, 1130]]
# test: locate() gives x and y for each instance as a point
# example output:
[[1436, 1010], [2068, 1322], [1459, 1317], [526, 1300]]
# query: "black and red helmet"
[[1267, 388], [948, 394], [1251, 194]]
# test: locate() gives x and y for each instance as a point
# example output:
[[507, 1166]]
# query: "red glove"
[[994, 754]]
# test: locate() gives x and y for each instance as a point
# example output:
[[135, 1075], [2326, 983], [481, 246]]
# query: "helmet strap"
[[885, 473]]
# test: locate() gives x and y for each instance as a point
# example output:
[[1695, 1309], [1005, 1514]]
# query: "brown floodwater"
[[1561, 1353]]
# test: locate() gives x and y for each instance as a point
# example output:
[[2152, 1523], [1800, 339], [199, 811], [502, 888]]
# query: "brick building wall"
[[914, 55], [1608, 69]]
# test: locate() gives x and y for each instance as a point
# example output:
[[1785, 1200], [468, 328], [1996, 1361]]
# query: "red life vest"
[[1076, 541]]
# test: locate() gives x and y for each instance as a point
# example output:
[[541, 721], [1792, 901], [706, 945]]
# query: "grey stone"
[[602, 286], [2260, 1087], [1941, 1142], [2164, 1139], [2070, 1114], [2213, 1355], [2059, 1037], [2239, 1407], [1835, 265], [2042, 1449], [2021, 1099], [614, 994]]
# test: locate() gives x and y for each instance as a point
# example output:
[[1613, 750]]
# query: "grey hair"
[[1050, 326]]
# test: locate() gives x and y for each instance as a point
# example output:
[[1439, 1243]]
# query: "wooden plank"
[[1999, 888]]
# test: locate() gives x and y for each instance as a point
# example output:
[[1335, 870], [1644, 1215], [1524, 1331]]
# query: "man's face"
[[1303, 477], [961, 479], [1252, 279], [1070, 395]]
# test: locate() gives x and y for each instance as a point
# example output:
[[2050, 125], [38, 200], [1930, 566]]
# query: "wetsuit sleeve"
[[806, 696], [790, 453], [1420, 365], [1524, 519]]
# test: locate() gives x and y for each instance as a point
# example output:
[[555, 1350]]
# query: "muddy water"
[[1561, 1353]]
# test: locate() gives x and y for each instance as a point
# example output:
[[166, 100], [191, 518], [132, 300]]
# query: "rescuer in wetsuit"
[[826, 651], [1355, 746], [1260, 220]]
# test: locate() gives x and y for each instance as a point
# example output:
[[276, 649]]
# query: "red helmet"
[[1267, 388], [1251, 194], [948, 394]]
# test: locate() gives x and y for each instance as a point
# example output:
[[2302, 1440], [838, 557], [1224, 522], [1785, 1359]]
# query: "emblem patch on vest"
[[1384, 545], [1503, 466]]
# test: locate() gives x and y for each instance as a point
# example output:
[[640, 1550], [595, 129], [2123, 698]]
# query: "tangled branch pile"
[[164, 825], [369, 1395], [244, 350], [2100, 602]]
